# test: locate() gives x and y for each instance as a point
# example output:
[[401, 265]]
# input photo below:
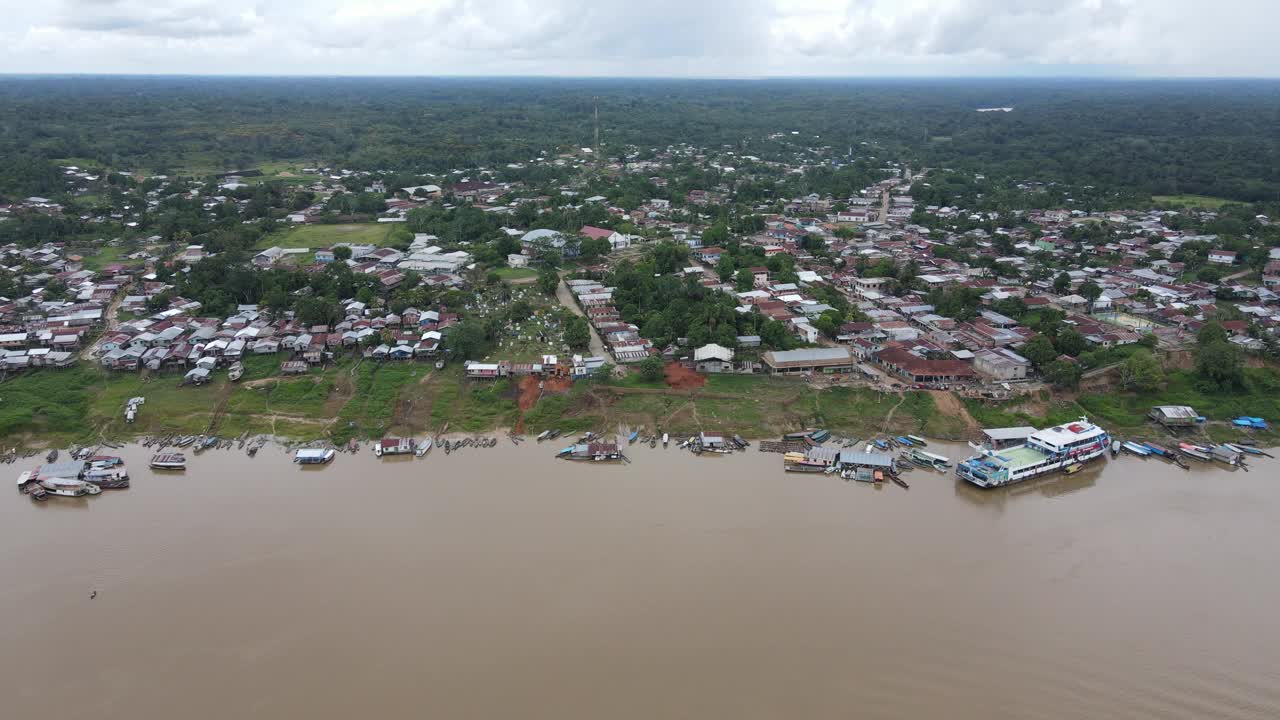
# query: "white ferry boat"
[[1045, 451], [314, 456]]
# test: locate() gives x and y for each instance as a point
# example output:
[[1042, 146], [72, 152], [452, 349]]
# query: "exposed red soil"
[[683, 378]]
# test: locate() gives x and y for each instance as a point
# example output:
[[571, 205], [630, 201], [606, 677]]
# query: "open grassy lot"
[[318, 236], [1203, 202], [509, 273]]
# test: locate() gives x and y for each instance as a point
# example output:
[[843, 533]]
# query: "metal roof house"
[[826, 360]]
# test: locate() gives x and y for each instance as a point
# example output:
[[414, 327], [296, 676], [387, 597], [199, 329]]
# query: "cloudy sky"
[[740, 38]]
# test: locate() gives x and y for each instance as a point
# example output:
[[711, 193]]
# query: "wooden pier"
[[783, 446]]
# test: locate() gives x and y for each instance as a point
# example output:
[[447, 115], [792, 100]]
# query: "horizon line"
[[1116, 77]]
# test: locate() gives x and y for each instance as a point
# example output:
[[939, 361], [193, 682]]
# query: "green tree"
[[725, 268], [576, 333], [651, 369], [1071, 342], [466, 340], [1218, 364], [1040, 351], [744, 281], [1064, 375], [548, 280], [1142, 372], [341, 253], [1091, 291], [1062, 283]]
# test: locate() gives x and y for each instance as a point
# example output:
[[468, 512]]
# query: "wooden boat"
[[424, 447], [665, 439], [1115, 447], [900, 482], [902, 440], [737, 439], [543, 435], [1073, 468], [169, 461], [634, 434], [53, 455], [820, 436], [108, 479], [1136, 449], [1194, 451], [917, 440]]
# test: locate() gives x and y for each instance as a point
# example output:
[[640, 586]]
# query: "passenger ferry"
[[1045, 451], [69, 487]]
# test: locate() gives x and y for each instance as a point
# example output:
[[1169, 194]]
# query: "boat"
[[665, 439], [235, 372], [798, 463], [819, 436], [1246, 449], [387, 447], [543, 435], [900, 482], [69, 487], [169, 461], [107, 479], [880, 444], [184, 441], [314, 456], [1224, 454], [743, 444], [1073, 468], [928, 459], [53, 455], [1136, 449], [634, 434], [1115, 447], [902, 440], [592, 452], [796, 436], [917, 440], [1195, 451], [424, 447], [1044, 451]]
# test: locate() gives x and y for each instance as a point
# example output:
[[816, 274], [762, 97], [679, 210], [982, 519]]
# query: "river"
[[503, 583]]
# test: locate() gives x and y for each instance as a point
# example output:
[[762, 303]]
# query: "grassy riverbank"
[[361, 400]]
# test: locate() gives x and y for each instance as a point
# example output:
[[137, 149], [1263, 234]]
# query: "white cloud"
[[639, 38]]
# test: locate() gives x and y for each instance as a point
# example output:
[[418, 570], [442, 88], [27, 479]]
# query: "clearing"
[[318, 236], [1191, 201]]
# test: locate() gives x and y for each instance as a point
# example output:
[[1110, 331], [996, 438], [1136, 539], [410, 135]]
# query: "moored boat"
[[917, 440], [1135, 448], [69, 487], [1044, 451], [387, 447], [169, 461], [665, 439], [424, 447], [314, 456]]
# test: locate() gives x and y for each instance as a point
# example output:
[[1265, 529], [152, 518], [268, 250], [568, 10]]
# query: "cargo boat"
[[1045, 451], [393, 446]]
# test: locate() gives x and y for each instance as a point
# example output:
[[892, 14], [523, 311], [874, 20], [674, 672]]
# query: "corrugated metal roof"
[[1009, 433], [854, 457], [809, 355]]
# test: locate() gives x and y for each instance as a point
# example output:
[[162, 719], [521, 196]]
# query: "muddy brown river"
[[503, 583]]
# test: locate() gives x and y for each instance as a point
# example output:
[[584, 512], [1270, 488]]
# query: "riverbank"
[[363, 400]]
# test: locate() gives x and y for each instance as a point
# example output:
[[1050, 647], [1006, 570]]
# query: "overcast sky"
[[738, 38]]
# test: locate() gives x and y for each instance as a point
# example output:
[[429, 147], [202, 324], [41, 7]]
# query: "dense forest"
[[1219, 138]]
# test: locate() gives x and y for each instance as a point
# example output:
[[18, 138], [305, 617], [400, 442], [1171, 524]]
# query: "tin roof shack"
[[850, 459], [1175, 416], [1001, 438]]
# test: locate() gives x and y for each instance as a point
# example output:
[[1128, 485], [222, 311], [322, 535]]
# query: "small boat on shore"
[[169, 461], [424, 447], [52, 456], [902, 440], [634, 434], [1136, 449], [543, 435], [1115, 447], [665, 439], [314, 456], [917, 440], [1195, 451]]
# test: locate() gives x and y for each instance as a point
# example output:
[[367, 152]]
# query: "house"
[[516, 260], [1001, 364], [324, 255], [713, 358], [1222, 257], [616, 239], [917, 369], [824, 360], [710, 255]]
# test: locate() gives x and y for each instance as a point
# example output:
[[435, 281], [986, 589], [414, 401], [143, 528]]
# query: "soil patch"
[[948, 404], [528, 392], [683, 378]]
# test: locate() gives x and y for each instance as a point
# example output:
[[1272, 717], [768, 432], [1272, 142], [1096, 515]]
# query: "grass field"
[[1203, 202], [509, 273], [318, 236]]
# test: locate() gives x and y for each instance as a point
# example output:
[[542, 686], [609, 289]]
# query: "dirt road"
[[566, 299]]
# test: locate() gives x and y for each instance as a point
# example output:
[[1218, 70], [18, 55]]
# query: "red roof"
[[595, 233]]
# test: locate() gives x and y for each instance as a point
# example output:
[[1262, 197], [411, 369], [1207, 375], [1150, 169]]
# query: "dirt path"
[[567, 300], [950, 405], [888, 418]]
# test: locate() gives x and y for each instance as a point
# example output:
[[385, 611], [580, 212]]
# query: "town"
[[882, 277]]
